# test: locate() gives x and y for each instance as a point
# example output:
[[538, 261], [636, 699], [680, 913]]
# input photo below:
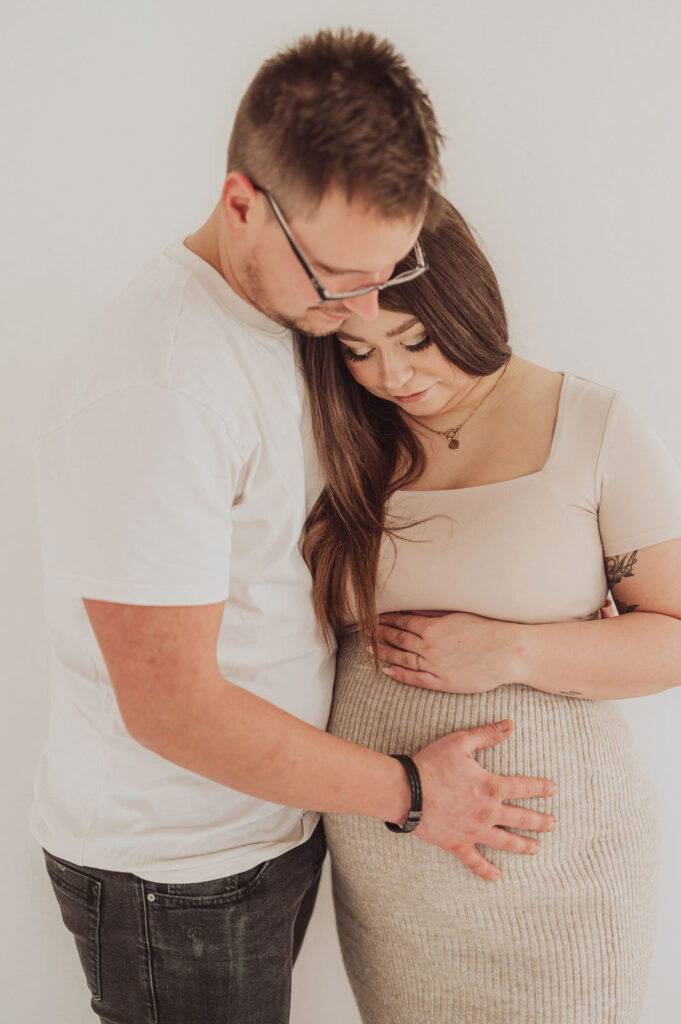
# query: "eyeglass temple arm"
[[319, 288]]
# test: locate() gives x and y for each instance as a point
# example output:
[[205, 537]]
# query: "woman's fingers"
[[398, 621], [395, 656], [473, 859], [401, 638]]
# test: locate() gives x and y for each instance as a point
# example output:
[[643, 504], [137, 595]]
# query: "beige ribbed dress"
[[565, 937]]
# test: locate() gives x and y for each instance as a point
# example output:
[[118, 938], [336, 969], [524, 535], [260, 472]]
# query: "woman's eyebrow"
[[403, 327], [344, 336]]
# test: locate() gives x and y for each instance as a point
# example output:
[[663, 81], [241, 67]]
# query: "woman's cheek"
[[360, 373]]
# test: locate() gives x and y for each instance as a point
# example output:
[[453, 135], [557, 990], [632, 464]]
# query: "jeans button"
[[150, 897]]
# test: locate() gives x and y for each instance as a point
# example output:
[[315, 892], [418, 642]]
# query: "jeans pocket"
[[215, 893], [79, 898]]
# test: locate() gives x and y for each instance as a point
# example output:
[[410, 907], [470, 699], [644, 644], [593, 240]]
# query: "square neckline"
[[560, 415]]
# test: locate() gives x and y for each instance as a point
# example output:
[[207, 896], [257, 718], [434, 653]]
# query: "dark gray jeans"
[[218, 952]]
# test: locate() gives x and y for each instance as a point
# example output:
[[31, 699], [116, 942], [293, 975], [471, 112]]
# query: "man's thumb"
[[490, 734]]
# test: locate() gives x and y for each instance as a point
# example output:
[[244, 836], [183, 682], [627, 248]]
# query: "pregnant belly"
[[585, 746], [564, 936]]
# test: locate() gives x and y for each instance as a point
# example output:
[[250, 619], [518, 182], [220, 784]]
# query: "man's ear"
[[239, 202]]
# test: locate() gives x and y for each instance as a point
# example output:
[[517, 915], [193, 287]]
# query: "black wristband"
[[416, 809]]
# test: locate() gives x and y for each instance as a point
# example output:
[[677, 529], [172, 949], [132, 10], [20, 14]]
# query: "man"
[[191, 684]]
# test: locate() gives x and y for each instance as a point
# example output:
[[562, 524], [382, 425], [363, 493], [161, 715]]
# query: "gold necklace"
[[452, 432]]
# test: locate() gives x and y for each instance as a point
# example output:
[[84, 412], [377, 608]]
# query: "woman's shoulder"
[[586, 408], [568, 394], [581, 410], [543, 378], [577, 394], [586, 386]]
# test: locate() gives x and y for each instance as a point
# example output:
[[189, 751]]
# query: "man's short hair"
[[340, 108]]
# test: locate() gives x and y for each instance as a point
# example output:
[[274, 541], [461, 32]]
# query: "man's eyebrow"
[[344, 336]]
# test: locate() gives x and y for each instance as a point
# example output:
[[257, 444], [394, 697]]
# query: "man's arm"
[[632, 655], [174, 701]]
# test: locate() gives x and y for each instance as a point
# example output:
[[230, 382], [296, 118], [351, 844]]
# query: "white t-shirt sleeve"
[[135, 499], [638, 482]]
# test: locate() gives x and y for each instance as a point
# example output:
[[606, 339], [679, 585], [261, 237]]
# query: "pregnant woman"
[[508, 499]]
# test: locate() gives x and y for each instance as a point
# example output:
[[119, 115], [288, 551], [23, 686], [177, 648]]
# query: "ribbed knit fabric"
[[565, 937]]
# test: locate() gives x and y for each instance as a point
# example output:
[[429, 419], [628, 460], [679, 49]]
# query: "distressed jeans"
[[218, 952]]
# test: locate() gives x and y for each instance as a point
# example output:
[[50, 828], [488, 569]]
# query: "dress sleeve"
[[135, 498], [638, 484]]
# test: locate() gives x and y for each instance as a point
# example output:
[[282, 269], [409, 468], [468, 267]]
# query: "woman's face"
[[393, 358]]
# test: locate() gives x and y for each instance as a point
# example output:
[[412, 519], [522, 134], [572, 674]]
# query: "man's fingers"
[[473, 859], [509, 842], [514, 787], [489, 735], [525, 820]]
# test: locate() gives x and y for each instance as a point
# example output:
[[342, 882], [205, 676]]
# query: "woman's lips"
[[415, 397]]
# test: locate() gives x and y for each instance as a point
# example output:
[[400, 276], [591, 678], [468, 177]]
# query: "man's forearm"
[[174, 701], [632, 655], [233, 737]]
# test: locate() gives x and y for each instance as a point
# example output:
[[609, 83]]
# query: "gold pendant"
[[451, 437]]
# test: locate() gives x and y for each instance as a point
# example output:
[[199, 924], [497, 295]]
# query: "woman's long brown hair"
[[366, 450]]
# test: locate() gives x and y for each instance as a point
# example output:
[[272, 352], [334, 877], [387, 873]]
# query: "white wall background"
[[563, 125]]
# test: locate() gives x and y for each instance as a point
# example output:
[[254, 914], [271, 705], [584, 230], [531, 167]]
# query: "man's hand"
[[464, 804], [174, 700]]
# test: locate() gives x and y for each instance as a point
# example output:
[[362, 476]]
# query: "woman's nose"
[[396, 373]]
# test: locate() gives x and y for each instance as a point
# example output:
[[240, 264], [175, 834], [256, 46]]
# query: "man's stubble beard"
[[254, 288]]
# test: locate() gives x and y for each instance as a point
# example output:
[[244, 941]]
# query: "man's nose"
[[365, 306]]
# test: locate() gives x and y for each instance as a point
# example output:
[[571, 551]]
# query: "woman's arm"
[[634, 654]]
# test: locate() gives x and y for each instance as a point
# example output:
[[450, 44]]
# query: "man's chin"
[[316, 323]]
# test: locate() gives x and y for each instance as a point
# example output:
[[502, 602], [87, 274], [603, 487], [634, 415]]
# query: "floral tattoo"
[[617, 568]]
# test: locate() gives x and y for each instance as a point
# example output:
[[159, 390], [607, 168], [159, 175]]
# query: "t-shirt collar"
[[222, 292]]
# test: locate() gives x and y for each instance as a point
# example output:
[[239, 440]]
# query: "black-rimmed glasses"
[[326, 296]]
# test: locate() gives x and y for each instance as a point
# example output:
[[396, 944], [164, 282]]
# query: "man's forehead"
[[348, 236]]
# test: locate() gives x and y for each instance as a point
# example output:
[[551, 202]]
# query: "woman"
[[461, 478]]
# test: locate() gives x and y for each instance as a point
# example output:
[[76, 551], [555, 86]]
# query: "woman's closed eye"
[[359, 357]]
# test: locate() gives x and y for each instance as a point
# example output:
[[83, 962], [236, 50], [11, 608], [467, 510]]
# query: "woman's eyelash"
[[355, 357], [420, 345]]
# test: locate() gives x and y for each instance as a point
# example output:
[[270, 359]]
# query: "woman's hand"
[[455, 651], [452, 651]]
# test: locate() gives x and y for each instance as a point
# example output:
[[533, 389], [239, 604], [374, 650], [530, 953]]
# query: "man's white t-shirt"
[[172, 471]]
